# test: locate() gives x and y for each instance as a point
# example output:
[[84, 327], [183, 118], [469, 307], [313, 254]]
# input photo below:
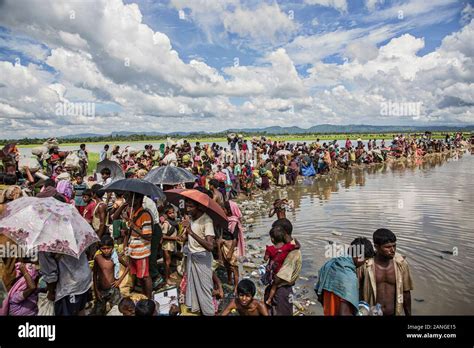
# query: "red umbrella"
[[211, 208]]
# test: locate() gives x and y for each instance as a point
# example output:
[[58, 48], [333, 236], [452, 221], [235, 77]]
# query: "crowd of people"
[[146, 246]]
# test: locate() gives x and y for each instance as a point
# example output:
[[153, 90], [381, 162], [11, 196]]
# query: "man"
[[105, 175], [216, 194], [83, 159], [386, 278], [104, 153], [139, 241], [338, 287], [287, 276], [68, 281], [199, 231], [171, 159]]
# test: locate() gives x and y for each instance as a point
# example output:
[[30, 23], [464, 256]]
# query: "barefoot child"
[[106, 275], [279, 209], [244, 303], [275, 255], [170, 236]]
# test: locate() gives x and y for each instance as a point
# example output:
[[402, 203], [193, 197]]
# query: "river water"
[[429, 207]]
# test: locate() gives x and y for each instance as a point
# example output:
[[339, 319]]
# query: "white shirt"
[[150, 205], [202, 227]]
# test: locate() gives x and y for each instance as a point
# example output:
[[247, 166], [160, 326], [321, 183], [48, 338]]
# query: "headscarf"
[[19, 286], [65, 188]]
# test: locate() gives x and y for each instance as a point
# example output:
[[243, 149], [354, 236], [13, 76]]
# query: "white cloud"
[[265, 22], [467, 14], [340, 5], [105, 54], [371, 5]]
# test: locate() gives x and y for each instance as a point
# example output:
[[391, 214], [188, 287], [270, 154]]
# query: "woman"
[[8, 275], [22, 299]]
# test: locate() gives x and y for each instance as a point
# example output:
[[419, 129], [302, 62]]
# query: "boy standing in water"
[[279, 209], [244, 303]]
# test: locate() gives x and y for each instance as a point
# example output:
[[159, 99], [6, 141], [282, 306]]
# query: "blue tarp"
[[308, 170]]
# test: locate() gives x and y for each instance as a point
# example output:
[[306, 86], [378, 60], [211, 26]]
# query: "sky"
[[97, 66]]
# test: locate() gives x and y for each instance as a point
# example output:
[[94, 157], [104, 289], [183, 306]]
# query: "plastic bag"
[[31, 162], [72, 161], [39, 151], [51, 143]]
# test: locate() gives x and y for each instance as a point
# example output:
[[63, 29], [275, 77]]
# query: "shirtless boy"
[[244, 303]]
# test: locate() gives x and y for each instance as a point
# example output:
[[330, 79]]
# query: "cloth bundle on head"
[[11, 193], [64, 176], [141, 173]]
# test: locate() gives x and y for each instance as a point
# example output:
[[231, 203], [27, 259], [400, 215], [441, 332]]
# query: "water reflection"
[[427, 204]]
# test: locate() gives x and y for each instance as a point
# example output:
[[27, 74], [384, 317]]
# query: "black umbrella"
[[169, 175], [136, 185], [116, 171]]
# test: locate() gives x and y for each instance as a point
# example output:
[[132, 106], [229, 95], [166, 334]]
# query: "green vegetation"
[[93, 159], [29, 143]]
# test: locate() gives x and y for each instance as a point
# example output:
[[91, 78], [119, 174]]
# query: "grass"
[[287, 137], [93, 159]]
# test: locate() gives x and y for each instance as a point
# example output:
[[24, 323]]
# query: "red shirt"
[[89, 211], [278, 255]]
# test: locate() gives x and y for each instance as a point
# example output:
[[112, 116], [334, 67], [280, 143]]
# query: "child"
[[276, 255], [106, 275], [279, 209], [88, 211], [126, 306], [146, 308], [79, 187], [282, 174], [170, 236], [244, 303]]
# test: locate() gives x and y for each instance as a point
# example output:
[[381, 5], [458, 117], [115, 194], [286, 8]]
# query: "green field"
[[287, 137], [93, 159]]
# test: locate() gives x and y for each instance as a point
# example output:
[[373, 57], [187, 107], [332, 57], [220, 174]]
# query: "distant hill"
[[319, 129], [351, 128]]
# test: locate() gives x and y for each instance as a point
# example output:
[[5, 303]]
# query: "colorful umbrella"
[[46, 224], [211, 208]]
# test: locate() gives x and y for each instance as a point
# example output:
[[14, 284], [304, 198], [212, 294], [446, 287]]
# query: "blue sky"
[[212, 65]]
